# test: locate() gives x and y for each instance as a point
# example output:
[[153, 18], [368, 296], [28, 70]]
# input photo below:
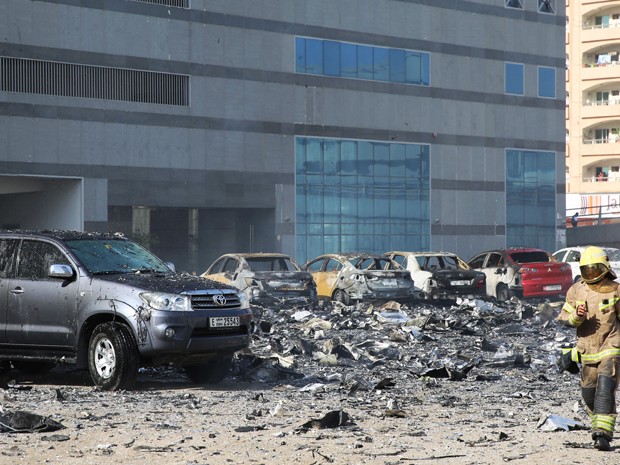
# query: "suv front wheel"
[[112, 357]]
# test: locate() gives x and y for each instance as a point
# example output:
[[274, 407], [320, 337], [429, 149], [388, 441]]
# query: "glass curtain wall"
[[361, 196], [530, 199], [356, 61]]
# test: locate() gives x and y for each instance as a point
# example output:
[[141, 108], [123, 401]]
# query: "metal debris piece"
[[26, 422], [249, 429], [392, 317], [395, 413], [550, 422], [56, 438], [332, 419]]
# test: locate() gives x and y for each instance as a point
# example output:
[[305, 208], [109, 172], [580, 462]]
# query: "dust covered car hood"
[[164, 282]]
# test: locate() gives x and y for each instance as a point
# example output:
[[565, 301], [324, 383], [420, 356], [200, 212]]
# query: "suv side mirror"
[[500, 271], [60, 271]]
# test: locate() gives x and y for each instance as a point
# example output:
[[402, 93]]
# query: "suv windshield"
[[115, 256], [529, 257]]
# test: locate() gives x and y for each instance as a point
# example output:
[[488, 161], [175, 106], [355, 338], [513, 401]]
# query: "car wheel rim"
[[105, 358]]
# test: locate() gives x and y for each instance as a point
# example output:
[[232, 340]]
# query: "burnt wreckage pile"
[[472, 339], [378, 360], [415, 353]]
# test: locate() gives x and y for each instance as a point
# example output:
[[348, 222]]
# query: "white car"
[[440, 275], [571, 255]]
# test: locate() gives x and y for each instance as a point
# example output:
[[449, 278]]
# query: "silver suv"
[[107, 304]]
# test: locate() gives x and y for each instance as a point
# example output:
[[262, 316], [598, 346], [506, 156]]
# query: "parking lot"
[[470, 383]]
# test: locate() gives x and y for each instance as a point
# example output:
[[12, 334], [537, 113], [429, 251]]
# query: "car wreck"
[[355, 277], [440, 275], [111, 307], [523, 273], [267, 279]]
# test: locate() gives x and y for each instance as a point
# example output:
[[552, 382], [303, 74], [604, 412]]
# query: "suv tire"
[[112, 357], [212, 372]]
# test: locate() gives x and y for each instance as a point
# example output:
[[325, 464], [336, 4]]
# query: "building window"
[[514, 4], [341, 59], [356, 195], [530, 199], [546, 6], [174, 3], [514, 79], [98, 82], [546, 82]]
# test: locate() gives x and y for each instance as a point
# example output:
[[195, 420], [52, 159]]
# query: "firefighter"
[[593, 307]]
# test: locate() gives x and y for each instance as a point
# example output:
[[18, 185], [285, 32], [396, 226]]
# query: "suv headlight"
[[168, 302]]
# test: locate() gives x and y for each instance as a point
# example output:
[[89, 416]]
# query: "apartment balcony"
[[603, 110], [590, 34], [600, 148], [592, 186], [597, 72]]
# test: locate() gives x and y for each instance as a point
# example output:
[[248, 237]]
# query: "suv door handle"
[[17, 290]]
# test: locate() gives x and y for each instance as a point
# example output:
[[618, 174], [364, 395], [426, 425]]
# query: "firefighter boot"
[[604, 417], [601, 441]]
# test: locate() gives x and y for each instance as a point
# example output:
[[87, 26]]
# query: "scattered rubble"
[[381, 378]]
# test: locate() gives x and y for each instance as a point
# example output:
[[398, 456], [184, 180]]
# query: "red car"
[[523, 272]]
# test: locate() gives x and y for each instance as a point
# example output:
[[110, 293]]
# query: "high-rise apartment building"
[[593, 108], [212, 126]]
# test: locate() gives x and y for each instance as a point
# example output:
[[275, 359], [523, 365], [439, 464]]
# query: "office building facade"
[[202, 127]]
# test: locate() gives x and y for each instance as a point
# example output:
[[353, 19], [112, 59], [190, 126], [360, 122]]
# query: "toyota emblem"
[[219, 300]]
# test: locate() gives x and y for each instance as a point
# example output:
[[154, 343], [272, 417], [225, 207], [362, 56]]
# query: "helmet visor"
[[593, 273]]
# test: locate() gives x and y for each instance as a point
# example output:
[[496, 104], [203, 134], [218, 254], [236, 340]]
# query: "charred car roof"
[[62, 234]]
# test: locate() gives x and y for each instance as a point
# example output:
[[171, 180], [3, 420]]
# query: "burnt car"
[[354, 277], [267, 279], [523, 273], [108, 305], [440, 275]]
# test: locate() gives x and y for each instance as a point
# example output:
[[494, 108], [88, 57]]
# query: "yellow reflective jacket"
[[598, 334]]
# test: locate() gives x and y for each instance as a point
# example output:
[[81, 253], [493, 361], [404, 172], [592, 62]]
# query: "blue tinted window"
[[530, 199], [397, 65], [360, 195], [364, 62], [546, 82], [426, 69], [381, 64], [348, 60], [331, 63], [340, 59], [514, 79], [314, 56], [300, 55], [413, 67]]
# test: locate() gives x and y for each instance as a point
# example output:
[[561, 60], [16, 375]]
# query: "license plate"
[[390, 282], [554, 287], [460, 283], [223, 321]]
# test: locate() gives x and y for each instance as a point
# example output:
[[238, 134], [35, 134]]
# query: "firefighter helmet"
[[594, 265]]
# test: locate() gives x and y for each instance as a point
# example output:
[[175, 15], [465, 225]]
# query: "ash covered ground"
[[470, 382]]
